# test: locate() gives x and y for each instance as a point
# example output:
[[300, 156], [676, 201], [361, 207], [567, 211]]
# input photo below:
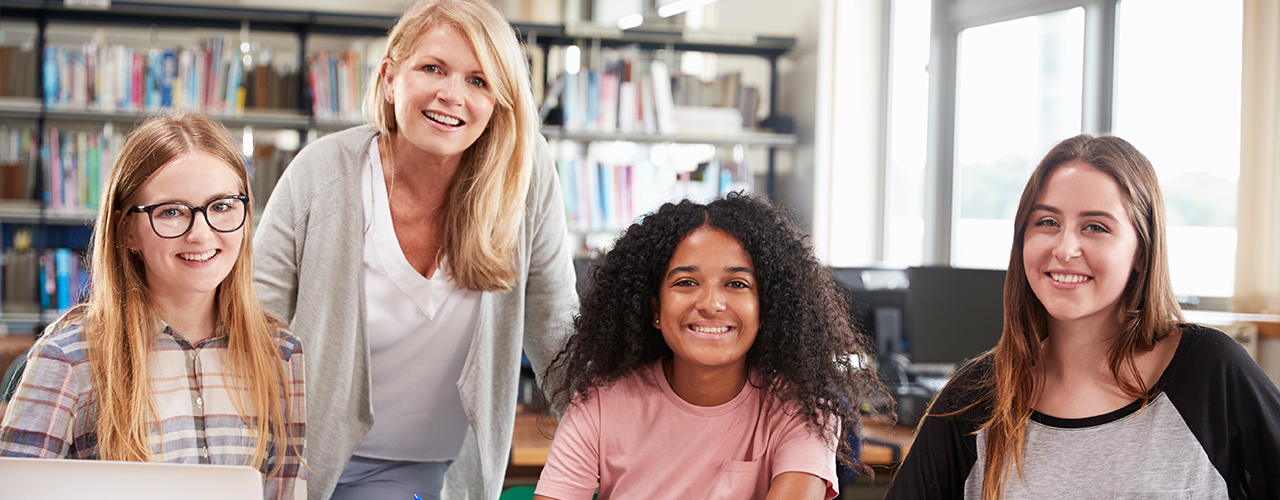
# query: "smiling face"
[[708, 304], [1080, 246], [195, 263], [442, 98]]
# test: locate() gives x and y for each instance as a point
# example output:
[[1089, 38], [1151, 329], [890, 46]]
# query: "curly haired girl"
[[711, 358]]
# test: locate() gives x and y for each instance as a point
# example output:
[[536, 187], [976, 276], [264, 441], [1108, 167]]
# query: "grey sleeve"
[[275, 251], [551, 298]]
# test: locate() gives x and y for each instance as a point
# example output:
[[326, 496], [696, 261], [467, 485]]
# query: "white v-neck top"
[[420, 330]]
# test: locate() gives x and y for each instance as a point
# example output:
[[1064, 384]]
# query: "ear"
[[657, 312], [127, 233], [386, 73]]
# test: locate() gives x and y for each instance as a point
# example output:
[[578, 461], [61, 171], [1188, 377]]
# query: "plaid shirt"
[[52, 415]]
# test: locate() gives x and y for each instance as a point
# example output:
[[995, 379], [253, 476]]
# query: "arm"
[[41, 416], [275, 255], [550, 294], [797, 486], [573, 466], [295, 454], [938, 464]]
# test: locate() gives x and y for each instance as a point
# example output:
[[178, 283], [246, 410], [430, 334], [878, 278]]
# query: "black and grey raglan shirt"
[[1210, 431]]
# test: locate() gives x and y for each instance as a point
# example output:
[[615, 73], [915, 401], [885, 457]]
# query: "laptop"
[[52, 479]]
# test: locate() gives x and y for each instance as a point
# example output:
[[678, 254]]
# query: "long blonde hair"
[[1149, 308], [485, 204], [120, 318]]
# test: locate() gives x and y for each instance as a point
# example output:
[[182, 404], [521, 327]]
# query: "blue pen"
[[416, 497]]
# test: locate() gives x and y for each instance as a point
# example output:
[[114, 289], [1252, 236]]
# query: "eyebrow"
[[1089, 213], [689, 269], [441, 62]]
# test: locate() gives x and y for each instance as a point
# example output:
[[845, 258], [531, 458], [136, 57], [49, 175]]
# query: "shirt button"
[[200, 401]]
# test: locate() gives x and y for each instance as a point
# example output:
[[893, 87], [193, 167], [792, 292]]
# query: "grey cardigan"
[[309, 250]]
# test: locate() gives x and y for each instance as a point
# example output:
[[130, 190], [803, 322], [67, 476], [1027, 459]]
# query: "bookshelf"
[[287, 46]]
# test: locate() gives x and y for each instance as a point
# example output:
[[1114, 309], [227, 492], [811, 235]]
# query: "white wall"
[[831, 84]]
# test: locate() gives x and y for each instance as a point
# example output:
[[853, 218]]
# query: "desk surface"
[[530, 445]]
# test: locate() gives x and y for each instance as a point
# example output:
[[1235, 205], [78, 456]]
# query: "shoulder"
[[344, 151], [543, 176], [65, 339], [1205, 353], [287, 343], [965, 393]]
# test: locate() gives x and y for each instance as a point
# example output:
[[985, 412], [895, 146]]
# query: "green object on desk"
[[522, 493], [518, 493]]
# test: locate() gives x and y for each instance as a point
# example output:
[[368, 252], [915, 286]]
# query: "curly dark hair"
[[804, 351]]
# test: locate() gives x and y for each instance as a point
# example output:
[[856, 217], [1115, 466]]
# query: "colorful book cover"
[[62, 263]]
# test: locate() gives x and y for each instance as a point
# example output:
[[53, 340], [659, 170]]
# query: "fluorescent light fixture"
[[630, 21], [679, 6]]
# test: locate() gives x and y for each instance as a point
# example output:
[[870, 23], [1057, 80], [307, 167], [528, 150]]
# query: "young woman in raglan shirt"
[[1097, 388]]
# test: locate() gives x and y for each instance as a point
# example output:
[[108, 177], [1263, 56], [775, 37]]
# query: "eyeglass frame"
[[203, 209]]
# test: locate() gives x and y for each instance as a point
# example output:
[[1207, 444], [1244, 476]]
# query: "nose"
[[1068, 246], [710, 300], [200, 228], [451, 90]]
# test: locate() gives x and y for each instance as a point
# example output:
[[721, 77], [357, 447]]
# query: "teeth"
[[703, 329], [447, 120], [1068, 278], [198, 257]]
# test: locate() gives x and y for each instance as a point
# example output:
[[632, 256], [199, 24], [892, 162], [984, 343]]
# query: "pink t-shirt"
[[638, 439]]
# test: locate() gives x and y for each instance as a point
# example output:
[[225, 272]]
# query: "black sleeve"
[[1232, 408], [945, 447]]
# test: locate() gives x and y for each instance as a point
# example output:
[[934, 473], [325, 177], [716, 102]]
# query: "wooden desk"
[[529, 445], [879, 429]]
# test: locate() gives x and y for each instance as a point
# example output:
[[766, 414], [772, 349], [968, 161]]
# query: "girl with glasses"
[[171, 359]]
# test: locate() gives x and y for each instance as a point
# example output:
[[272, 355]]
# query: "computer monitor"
[[952, 314], [878, 300]]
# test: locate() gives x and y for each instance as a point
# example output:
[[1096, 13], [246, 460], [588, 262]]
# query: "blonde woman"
[[171, 359], [1097, 388], [417, 256]]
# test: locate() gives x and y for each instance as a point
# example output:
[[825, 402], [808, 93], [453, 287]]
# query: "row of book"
[[53, 279], [34, 280], [627, 93], [17, 163], [631, 92], [217, 77], [606, 189], [338, 80], [76, 164], [17, 71]]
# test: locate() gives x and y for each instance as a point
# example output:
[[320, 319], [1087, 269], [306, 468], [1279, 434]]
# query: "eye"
[[431, 68], [169, 212], [1046, 223], [479, 82], [1094, 227], [738, 284], [221, 206], [684, 282]]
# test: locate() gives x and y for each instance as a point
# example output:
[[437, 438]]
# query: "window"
[[1010, 78], [1018, 92], [1178, 101]]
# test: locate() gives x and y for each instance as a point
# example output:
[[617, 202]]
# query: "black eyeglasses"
[[172, 219]]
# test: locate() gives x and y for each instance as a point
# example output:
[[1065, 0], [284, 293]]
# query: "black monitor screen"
[[953, 314]]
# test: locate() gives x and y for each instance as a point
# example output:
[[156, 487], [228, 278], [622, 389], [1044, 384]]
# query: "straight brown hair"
[[120, 318], [1149, 309]]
